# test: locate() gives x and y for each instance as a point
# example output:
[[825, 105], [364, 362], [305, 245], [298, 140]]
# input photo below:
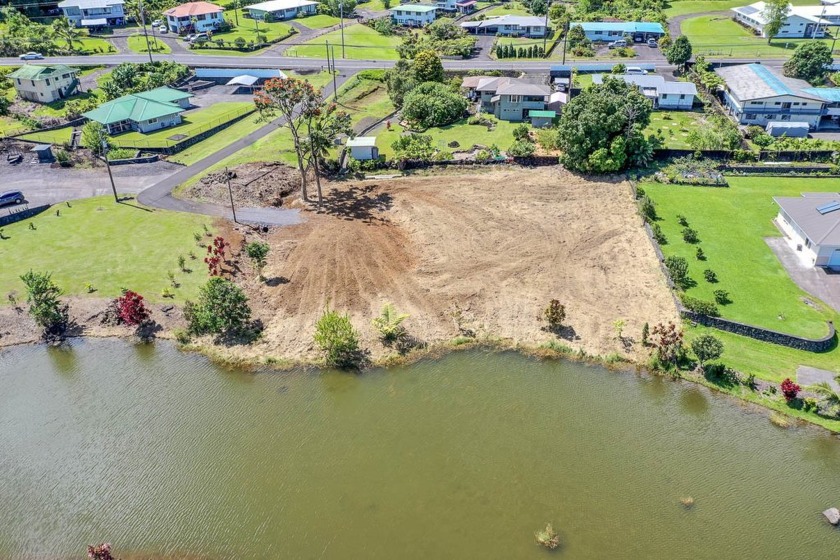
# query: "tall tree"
[[297, 102], [679, 52], [810, 61], [427, 67], [775, 12], [322, 130]]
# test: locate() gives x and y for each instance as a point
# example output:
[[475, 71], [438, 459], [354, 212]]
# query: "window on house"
[[777, 103], [152, 121], [664, 96], [515, 99], [751, 116], [48, 81], [785, 105], [201, 17]]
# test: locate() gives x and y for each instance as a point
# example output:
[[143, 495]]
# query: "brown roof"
[[471, 82], [193, 9]]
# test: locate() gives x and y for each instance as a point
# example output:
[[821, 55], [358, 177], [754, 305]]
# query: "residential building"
[[638, 31], [446, 5], [194, 17], [512, 99], [466, 7], [283, 9], [45, 84], [801, 21], [143, 112], [413, 15], [663, 94], [812, 224], [756, 95], [94, 13], [509, 26], [363, 147]]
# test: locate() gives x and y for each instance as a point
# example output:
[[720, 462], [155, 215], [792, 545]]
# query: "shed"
[[791, 129], [363, 147], [541, 119], [44, 153]]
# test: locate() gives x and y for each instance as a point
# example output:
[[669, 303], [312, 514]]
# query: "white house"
[[801, 21], [638, 31], [363, 147], [446, 5], [509, 26], [812, 223], [194, 17], [44, 84], [94, 13], [413, 15], [664, 95], [283, 9], [756, 95]]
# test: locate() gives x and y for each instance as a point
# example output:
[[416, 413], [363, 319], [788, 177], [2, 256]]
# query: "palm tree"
[[830, 397], [62, 29]]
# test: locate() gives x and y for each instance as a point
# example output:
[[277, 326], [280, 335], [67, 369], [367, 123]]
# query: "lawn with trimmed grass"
[[466, 135], [720, 36], [732, 224], [320, 21], [684, 7], [137, 43], [247, 29], [361, 43], [673, 127], [508, 9], [94, 46], [58, 136], [108, 245], [58, 109]]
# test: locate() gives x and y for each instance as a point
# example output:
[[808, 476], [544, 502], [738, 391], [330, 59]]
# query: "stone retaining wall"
[[22, 215], [766, 335]]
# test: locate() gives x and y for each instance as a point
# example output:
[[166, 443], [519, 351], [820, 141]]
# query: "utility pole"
[[145, 31], [341, 15], [108, 165], [327, 46], [335, 87], [565, 40], [236, 11], [230, 193]]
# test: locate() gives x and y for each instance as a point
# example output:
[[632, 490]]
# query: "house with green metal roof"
[[45, 84], [143, 112]]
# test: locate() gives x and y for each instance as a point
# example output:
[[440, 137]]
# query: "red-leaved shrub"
[[789, 389], [131, 309]]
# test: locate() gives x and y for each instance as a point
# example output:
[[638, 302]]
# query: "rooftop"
[[757, 10], [193, 9], [521, 87], [520, 21], [651, 81], [362, 141], [754, 81], [87, 4], [623, 26], [418, 8], [32, 72], [279, 5], [138, 107], [816, 214]]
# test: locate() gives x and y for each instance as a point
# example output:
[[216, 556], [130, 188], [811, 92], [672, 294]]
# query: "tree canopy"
[[810, 61], [679, 52], [433, 104], [775, 12]]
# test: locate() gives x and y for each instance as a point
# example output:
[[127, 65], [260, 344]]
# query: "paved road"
[[159, 195]]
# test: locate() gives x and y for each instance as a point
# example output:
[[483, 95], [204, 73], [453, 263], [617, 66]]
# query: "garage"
[[834, 259]]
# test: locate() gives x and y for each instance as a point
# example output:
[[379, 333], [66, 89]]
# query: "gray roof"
[[519, 87], [755, 81], [821, 229], [491, 84], [521, 21], [652, 82], [87, 4]]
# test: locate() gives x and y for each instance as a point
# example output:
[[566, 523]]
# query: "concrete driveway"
[[814, 280]]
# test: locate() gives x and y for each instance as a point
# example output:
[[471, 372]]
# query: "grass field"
[[732, 224], [319, 22], [108, 245], [58, 108], [194, 122], [508, 9], [247, 29], [720, 36], [361, 43], [58, 136], [467, 135], [95, 46], [685, 7], [137, 43], [674, 126]]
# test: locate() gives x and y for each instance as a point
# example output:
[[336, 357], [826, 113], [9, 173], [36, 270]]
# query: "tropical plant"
[[66, 31], [94, 137], [389, 323], [337, 339], [789, 389], [679, 52], [706, 347], [42, 296], [433, 104], [775, 13], [829, 397], [413, 147], [257, 251], [222, 309], [810, 61], [132, 309]]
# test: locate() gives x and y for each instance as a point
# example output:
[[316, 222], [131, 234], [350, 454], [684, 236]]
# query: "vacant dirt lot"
[[497, 245]]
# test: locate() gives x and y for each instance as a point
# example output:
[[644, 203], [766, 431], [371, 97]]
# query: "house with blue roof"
[[638, 31], [757, 95]]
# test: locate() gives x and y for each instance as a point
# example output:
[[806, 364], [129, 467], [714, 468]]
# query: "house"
[[413, 15], [512, 99], [756, 95], [509, 26], [663, 94], [194, 17], [812, 223], [45, 84], [466, 7], [801, 21], [282, 9], [94, 13], [446, 5], [143, 112], [638, 31], [363, 147]]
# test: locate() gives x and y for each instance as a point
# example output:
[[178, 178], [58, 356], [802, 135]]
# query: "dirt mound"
[[253, 185]]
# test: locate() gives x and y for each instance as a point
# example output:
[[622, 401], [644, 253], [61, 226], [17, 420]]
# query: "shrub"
[[658, 236], [701, 256], [337, 339], [555, 314], [668, 340], [222, 309], [645, 334], [707, 347], [789, 389], [521, 132], [710, 276], [131, 309], [678, 269], [44, 306], [722, 297], [690, 235], [257, 251], [700, 306], [389, 323], [522, 148], [682, 220], [433, 104], [648, 208]]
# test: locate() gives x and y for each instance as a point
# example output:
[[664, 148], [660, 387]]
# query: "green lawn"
[[732, 224], [683, 7], [95, 45], [8, 125], [720, 36], [361, 43], [137, 43], [319, 22], [674, 126], [508, 9], [109, 245], [58, 136], [246, 29], [57, 108], [467, 135]]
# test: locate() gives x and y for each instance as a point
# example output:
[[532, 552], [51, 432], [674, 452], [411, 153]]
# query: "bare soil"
[[253, 185], [492, 248]]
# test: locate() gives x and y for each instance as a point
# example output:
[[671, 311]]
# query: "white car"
[[157, 23], [163, 29], [31, 56], [635, 71]]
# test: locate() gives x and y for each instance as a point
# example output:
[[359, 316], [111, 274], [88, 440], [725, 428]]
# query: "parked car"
[[31, 56], [157, 23], [652, 43], [163, 29], [11, 197], [188, 38], [200, 38], [635, 71], [619, 44]]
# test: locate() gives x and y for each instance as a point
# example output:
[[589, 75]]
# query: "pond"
[[164, 454]]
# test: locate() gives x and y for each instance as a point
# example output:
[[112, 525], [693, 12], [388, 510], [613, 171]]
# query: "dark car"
[[11, 197]]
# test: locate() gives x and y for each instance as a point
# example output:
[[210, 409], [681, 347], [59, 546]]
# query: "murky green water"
[[161, 452]]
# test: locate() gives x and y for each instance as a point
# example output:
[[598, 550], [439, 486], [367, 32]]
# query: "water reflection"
[[694, 401]]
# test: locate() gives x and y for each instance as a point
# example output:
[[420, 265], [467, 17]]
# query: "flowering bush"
[[216, 256], [789, 389], [131, 309], [100, 552]]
